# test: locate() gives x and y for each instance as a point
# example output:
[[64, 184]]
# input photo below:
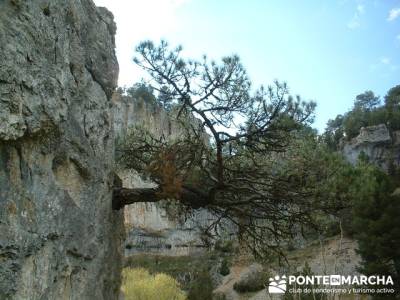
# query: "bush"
[[224, 246], [252, 280], [224, 269], [202, 287], [139, 284], [142, 91]]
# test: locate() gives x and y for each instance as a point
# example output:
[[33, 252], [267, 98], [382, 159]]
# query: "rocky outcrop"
[[381, 146], [152, 227], [59, 237], [130, 112], [152, 230]]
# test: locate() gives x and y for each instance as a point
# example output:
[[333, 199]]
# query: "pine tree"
[[376, 223]]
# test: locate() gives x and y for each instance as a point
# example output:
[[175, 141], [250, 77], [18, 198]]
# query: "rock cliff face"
[[151, 229], [59, 238], [381, 146], [129, 112]]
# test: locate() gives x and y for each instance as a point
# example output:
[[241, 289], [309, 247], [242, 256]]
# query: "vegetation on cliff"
[[367, 110]]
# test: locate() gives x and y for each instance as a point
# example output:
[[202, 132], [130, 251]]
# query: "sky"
[[327, 51]]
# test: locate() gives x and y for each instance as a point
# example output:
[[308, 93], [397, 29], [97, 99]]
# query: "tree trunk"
[[189, 196]]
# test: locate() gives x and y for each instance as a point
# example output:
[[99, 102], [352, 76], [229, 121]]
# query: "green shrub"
[[224, 269], [201, 287], [224, 246], [139, 284], [142, 91]]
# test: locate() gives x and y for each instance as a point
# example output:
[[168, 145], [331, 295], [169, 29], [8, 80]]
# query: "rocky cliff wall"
[[380, 145], [151, 227], [130, 112], [59, 238]]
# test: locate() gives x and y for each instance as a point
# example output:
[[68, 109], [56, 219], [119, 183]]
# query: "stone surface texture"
[[380, 145], [59, 238]]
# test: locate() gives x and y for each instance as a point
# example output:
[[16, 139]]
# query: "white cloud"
[[385, 60], [355, 21], [139, 20], [353, 24], [360, 9], [394, 13]]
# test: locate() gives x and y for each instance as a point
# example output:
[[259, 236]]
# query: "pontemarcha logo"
[[277, 285]]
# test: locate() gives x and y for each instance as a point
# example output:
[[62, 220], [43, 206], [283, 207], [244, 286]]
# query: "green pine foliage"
[[142, 91], [224, 269], [367, 111], [376, 222], [202, 287]]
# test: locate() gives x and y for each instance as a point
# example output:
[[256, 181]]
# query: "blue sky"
[[327, 50]]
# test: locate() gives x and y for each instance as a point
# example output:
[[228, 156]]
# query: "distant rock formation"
[[151, 228], [59, 237], [381, 146]]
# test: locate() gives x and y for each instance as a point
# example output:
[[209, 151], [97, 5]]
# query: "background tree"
[[376, 225], [366, 101], [255, 169], [143, 91], [392, 104], [363, 114], [392, 98], [334, 132]]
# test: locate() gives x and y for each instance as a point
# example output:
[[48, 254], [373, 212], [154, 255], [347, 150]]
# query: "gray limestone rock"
[[251, 279], [381, 146], [59, 238]]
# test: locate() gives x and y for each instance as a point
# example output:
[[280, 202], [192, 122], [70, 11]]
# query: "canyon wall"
[[59, 237], [152, 227]]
